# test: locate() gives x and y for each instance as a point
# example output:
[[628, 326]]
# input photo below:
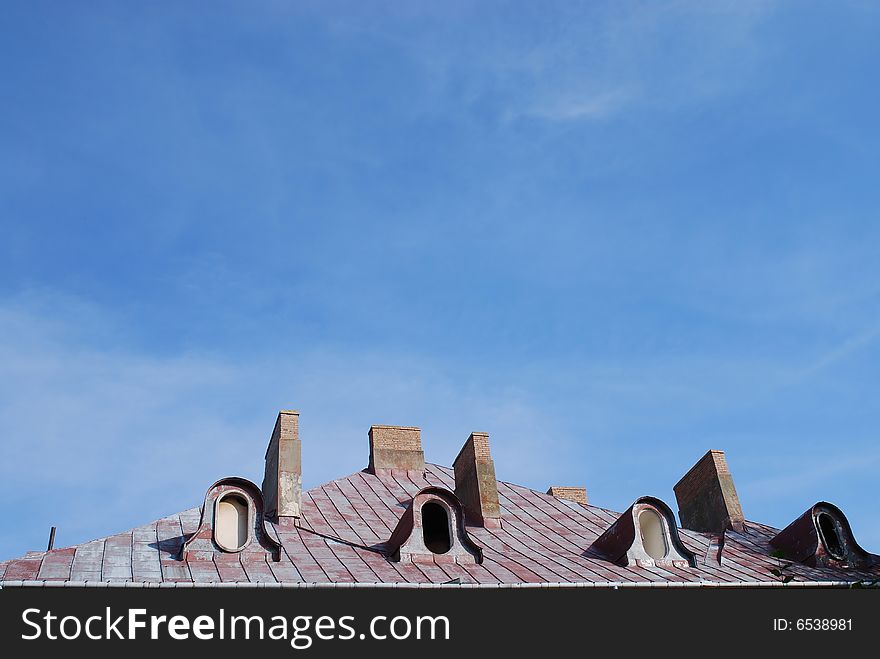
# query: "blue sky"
[[613, 235]]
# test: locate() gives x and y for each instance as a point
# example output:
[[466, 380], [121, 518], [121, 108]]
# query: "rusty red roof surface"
[[345, 524]]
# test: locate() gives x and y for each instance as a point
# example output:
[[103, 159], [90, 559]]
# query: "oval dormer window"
[[231, 530], [436, 527], [830, 536], [653, 537]]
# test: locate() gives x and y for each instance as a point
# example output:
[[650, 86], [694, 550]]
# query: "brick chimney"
[[576, 494], [396, 447], [707, 499], [282, 482], [475, 483]]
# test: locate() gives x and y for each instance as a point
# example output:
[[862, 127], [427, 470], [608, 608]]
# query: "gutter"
[[423, 586]]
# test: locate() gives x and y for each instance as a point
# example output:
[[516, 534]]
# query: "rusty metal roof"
[[345, 524]]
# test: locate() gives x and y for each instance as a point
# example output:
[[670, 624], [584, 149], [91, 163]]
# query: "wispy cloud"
[[581, 62], [573, 107], [844, 350], [801, 474]]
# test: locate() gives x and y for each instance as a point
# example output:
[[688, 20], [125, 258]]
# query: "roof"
[[345, 524]]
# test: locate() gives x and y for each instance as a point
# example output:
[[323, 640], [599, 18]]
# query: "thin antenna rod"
[[51, 539]]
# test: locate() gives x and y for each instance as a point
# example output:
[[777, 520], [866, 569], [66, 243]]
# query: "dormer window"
[[436, 529], [644, 536], [231, 530], [821, 537], [432, 529], [233, 521]]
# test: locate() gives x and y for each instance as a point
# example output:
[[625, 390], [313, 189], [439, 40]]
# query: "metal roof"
[[341, 541]]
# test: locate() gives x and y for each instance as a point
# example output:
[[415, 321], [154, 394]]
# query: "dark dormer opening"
[[652, 534], [830, 536], [436, 528]]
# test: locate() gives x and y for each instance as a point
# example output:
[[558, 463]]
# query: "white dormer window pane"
[[653, 536], [231, 531]]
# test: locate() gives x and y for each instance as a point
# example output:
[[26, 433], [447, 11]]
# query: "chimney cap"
[[477, 443], [569, 493], [396, 448], [699, 463]]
